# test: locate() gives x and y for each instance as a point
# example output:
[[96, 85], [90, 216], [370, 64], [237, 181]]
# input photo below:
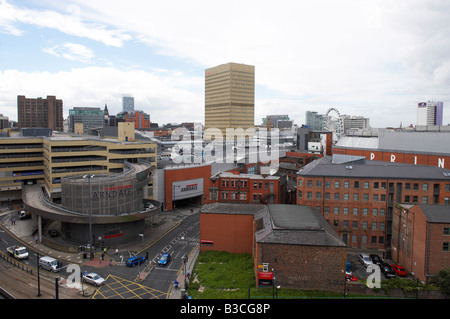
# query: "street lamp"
[[88, 176]]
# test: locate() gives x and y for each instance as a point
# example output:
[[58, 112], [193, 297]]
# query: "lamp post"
[[38, 278]]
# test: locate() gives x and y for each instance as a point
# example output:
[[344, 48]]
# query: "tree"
[[442, 280]]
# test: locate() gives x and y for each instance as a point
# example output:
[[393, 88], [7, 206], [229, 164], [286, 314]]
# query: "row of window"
[[346, 196], [355, 224], [366, 185], [355, 211], [243, 184]]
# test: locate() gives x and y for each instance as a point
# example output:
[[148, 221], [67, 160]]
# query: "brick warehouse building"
[[421, 239], [357, 197], [290, 243]]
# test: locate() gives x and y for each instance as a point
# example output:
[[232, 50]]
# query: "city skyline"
[[375, 59]]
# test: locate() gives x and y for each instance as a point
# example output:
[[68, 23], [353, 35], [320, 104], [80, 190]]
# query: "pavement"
[[163, 222]]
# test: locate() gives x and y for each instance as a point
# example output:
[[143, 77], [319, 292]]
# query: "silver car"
[[365, 260], [93, 278]]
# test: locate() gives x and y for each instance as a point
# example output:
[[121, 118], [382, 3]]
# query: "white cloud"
[[71, 22], [363, 57], [71, 51], [97, 86]]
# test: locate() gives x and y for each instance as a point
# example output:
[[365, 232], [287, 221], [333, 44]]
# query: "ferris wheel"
[[332, 121]]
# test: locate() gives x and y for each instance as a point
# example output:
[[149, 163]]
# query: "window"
[[327, 184], [375, 212], [299, 194], [374, 225], [425, 186], [364, 224], [336, 223], [381, 225], [224, 183], [365, 211], [336, 210], [354, 239], [224, 195], [366, 197], [318, 183], [383, 185], [336, 196], [345, 210], [382, 211], [336, 184], [407, 199], [300, 182], [416, 186], [446, 200], [445, 246], [424, 199], [375, 197], [374, 239], [356, 196], [346, 196], [408, 186], [309, 195], [346, 184], [446, 230], [447, 187], [355, 211], [356, 184], [243, 196], [345, 223], [327, 209], [355, 224], [376, 185], [318, 195], [327, 195], [310, 183], [366, 184]]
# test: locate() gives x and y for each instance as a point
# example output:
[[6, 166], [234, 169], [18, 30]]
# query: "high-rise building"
[[430, 113], [127, 103], [39, 112], [90, 117], [314, 120], [230, 96]]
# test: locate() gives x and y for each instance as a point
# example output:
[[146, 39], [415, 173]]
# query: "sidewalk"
[[178, 293]]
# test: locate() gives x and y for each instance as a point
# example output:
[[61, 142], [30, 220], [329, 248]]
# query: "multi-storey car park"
[[41, 164], [357, 197]]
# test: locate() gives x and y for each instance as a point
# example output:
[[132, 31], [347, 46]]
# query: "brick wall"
[[305, 267]]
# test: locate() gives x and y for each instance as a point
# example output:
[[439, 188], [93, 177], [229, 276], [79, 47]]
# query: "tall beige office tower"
[[230, 96]]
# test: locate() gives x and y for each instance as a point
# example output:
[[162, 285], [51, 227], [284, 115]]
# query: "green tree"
[[442, 281]]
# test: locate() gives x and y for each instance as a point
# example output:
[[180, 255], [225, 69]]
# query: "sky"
[[371, 58]]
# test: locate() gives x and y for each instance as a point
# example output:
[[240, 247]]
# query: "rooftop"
[[374, 169]]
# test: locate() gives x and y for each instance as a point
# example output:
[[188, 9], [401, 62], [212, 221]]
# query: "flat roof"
[[373, 169]]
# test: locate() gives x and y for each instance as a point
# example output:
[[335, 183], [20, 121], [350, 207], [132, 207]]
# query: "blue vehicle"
[[164, 260], [133, 261]]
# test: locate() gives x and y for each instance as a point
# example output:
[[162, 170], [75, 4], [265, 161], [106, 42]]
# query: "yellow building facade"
[[46, 160], [230, 96]]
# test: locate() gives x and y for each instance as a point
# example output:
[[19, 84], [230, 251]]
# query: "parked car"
[[53, 233], [350, 277], [364, 259], [387, 270], [399, 270], [376, 259], [164, 260], [133, 261], [93, 278]]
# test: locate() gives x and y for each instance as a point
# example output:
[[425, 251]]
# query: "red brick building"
[[234, 187], [290, 243], [140, 119], [357, 197], [421, 239]]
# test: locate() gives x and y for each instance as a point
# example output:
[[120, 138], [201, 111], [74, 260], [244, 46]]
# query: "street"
[[148, 280]]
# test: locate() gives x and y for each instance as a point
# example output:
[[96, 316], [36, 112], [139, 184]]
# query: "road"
[[122, 282]]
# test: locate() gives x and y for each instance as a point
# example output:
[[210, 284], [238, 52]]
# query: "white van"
[[48, 263]]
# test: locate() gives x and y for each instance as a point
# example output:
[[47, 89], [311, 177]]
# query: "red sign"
[[265, 275], [205, 242]]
